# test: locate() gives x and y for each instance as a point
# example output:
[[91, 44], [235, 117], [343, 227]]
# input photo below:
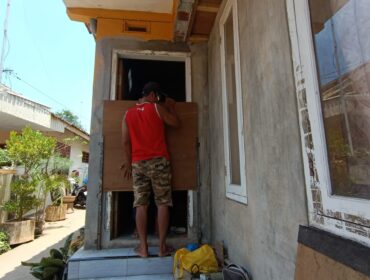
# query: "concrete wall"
[[199, 69], [262, 236], [312, 265]]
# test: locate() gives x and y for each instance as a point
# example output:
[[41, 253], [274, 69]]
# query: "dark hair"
[[151, 86]]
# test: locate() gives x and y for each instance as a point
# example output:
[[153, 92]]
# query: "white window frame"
[[235, 192], [306, 79]]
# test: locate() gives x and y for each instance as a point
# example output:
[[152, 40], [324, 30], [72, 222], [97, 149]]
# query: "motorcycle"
[[81, 195]]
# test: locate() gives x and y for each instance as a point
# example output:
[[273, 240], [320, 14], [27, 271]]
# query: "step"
[[123, 263], [140, 277]]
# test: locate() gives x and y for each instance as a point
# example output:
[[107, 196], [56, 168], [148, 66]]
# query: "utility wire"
[[11, 72]]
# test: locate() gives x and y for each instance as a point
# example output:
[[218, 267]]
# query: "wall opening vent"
[[137, 26]]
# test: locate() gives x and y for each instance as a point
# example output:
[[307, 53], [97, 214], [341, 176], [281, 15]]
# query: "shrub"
[[4, 158], [4, 242]]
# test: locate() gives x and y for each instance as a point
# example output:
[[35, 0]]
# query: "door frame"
[[151, 55], [185, 57]]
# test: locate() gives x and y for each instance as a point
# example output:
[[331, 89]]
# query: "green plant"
[[4, 158], [23, 197], [29, 148], [52, 267], [32, 150], [4, 242]]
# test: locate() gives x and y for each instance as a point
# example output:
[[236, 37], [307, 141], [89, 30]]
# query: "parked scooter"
[[81, 194]]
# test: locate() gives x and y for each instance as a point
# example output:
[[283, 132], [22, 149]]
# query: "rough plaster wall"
[[199, 69], [262, 235], [312, 265], [102, 80]]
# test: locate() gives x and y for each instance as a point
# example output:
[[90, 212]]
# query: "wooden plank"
[[198, 38], [181, 142], [208, 8], [203, 23]]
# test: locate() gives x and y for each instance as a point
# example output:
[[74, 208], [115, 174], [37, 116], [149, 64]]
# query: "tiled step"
[[141, 277], [113, 263]]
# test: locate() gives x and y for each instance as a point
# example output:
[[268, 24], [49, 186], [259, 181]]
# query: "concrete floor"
[[53, 237]]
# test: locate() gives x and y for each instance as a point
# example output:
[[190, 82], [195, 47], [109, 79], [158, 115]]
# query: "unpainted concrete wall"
[[262, 236]]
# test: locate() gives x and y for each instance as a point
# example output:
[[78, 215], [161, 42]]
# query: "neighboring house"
[[16, 112], [282, 89]]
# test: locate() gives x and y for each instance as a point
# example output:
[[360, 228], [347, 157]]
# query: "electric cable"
[[38, 90]]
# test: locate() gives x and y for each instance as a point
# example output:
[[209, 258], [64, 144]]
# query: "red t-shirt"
[[147, 132]]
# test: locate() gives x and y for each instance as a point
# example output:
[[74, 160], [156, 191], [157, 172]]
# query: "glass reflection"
[[341, 30]]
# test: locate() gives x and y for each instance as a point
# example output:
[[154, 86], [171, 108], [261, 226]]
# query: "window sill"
[[238, 198]]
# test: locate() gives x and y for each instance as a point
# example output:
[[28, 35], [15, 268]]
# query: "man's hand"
[[127, 170], [170, 103], [168, 113]]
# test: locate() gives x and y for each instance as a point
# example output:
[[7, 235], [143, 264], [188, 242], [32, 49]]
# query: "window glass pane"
[[341, 30], [232, 102]]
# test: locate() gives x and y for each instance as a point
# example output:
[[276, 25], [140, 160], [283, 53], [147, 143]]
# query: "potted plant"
[[6, 174], [28, 149], [57, 210], [23, 199], [53, 174]]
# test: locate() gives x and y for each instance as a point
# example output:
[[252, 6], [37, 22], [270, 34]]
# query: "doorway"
[[132, 74]]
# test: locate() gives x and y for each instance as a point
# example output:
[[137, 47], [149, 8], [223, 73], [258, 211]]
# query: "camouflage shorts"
[[152, 174]]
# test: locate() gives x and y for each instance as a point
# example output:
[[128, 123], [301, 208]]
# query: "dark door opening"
[[132, 75]]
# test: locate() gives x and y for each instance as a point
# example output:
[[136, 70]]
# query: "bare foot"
[[165, 251], [142, 252]]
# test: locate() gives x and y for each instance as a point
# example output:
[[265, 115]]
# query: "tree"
[[68, 116], [29, 148]]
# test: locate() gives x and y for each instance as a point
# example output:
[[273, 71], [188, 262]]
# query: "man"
[[146, 158]]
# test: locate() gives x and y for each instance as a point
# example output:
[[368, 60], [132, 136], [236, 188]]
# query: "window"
[[331, 54], [232, 105], [63, 149], [85, 157], [342, 45]]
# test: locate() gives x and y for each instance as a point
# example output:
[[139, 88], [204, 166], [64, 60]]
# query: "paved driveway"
[[53, 237]]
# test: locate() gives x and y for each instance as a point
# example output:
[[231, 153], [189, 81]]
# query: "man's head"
[[152, 92]]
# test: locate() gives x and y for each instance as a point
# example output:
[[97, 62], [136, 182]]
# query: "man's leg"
[[141, 225], [141, 186], [161, 182], [163, 220]]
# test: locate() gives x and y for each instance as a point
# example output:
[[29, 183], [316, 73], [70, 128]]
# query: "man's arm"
[[126, 143], [168, 113]]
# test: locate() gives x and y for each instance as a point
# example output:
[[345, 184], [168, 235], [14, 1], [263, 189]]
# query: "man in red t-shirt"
[[146, 159]]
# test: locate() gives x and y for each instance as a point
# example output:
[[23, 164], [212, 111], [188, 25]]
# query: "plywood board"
[[181, 142]]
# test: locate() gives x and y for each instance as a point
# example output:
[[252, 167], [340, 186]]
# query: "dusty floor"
[[53, 237]]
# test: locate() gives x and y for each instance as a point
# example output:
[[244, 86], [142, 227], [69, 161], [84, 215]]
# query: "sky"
[[53, 56]]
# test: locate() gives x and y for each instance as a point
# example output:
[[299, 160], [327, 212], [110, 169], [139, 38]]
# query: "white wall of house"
[[76, 158]]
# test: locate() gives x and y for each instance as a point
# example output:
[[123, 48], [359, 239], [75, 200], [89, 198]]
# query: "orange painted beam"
[[140, 29], [85, 14]]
